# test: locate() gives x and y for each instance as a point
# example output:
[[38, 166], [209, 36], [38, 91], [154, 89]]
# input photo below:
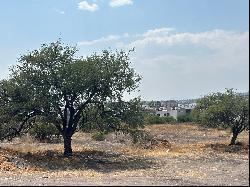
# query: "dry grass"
[[186, 140]]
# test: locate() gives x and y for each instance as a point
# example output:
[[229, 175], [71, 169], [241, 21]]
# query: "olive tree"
[[53, 84], [228, 110]]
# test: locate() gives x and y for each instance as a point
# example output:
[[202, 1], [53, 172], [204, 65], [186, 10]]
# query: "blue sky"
[[184, 48]]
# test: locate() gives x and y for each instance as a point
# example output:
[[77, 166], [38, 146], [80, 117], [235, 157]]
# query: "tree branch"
[[79, 110], [17, 131]]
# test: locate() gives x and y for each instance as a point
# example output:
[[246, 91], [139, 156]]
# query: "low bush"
[[153, 119], [98, 136], [185, 118], [43, 131]]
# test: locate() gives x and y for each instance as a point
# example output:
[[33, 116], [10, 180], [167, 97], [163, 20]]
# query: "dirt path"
[[84, 181], [201, 161]]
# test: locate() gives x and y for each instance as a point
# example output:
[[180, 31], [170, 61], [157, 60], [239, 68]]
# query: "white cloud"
[[185, 64], [59, 11], [166, 36], [192, 63], [100, 40], [158, 32], [118, 3], [84, 5]]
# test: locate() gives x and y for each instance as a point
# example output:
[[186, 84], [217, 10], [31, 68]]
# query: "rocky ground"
[[194, 156]]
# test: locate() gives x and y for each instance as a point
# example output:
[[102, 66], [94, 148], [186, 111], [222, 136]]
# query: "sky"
[[183, 48]]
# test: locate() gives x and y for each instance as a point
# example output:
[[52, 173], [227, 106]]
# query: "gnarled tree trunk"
[[67, 145], [233, 140]]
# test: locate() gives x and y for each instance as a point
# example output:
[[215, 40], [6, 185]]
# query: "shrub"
[[185, 118], [153, 119], [99, 136], [169, 119], [43, 131]]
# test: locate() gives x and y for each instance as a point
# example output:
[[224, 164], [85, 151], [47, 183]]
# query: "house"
[[168, 108], [174, 112]]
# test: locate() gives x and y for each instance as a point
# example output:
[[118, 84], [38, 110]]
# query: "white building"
[[174, 112]]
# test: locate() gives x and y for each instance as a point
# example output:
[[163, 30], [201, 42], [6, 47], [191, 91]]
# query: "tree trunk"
[[67, 146], [233, 140]]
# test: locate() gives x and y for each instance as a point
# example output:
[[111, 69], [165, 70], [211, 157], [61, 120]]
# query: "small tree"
[[227, 109], [54, 84]]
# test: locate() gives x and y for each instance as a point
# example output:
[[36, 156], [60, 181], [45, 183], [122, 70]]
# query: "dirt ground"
[[194, 156]]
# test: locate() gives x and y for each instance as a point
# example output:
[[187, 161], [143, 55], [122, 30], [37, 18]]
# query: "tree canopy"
[[228, 110], [53, 84]]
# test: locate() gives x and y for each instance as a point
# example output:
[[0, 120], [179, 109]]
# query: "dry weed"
[[38, 154]]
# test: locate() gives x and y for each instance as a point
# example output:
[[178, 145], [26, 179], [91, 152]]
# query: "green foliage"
[[140, 137], [185, 118], [154, 119], [151, 104], [113, 116], [227, 110], [53, 83], [169, 119], [12, 102], [3, 130], [99, 136], [43, 131]]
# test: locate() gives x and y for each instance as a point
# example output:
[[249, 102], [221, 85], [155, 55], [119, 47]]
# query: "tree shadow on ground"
[[81, 160], [241, 148]]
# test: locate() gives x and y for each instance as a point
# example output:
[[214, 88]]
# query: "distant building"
[[187, 106], [173, 112], [169, 108], [170, 104], [158, 104]]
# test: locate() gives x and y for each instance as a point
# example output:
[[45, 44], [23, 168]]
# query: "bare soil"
[[195, 156]]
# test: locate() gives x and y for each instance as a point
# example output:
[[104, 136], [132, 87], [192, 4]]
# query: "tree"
[[51, 83], [227, 109], [151, 104]]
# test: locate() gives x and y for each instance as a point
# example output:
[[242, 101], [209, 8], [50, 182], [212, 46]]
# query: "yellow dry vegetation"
[[41, 153]]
